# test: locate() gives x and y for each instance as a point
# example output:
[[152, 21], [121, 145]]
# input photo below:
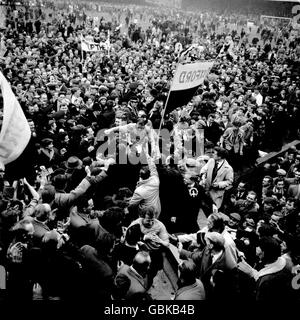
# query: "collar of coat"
[[48, 153], [137, 276], [186, 288], [271, 268]]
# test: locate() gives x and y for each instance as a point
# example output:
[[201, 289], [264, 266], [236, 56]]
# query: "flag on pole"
[[187, 79], [15, 132]]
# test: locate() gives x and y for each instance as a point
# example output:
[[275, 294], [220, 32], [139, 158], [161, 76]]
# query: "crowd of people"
[[100, 194]]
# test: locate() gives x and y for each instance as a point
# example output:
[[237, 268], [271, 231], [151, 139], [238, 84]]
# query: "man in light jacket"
[[217, 176], [146, 193]]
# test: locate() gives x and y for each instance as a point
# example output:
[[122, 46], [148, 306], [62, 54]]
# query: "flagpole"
[[81, 50], [180, 59], [165, 107]]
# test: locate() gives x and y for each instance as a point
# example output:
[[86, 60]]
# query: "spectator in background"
[[190, 288]]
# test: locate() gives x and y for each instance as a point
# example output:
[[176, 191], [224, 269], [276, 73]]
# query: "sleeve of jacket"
[[195, 256], [228, 180], [135, 199], [97, 179], [69, 198]]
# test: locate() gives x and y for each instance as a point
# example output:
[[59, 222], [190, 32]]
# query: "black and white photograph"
[[149, 154]]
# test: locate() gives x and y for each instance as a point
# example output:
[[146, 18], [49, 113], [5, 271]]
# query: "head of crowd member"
[[267, 181], [133, 102], [215, 223], [236, 123], [148, 217], [124, 194], [105, 244], [220, 154], [241, 188], [120, 287], [52, 125], [291, 155], [187, 273], [112, 221], [280, 185], [144, 173], [141, 122], [275, 218], [158, 105], [297, 177], [32, 127], [141, 263], [211, 118], [142, 114], [209, 149], [43, 99], [102, 100], [281, 174], [48, 194], [269, 205], [64, 107], [215, 241], [42, 212], [47, 143], [290, 205], [60, 182], [251, 198], [268, 250], [234, 220]]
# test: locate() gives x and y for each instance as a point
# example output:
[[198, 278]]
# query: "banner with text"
[[93, 46], [187, 79]]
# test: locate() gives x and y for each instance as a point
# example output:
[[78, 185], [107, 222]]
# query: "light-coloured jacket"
[[224, 179], [146, 193]]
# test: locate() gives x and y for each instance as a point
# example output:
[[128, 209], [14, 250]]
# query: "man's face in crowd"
[[251, 198], [31, 110], [147, 221], [77, 102], [64, 108], [290, 205], [90, 133], [44, 98], [233, 223], [297, 176], [280, 185], [210, 119], [290, 156], [36, 107], [268, 207], [266, 182], [216, 156], [241, 187], [44, 76], [31, 126]]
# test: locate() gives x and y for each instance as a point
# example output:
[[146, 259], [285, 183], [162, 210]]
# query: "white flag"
[[15, 132], [92, 46], [188, 76]]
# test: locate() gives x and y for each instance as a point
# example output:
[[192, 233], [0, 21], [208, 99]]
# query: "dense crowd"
[[99, 195]]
